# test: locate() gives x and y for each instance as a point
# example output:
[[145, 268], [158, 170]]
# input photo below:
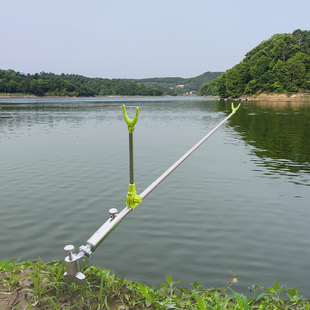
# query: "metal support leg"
[[131, 179], [74, 264]]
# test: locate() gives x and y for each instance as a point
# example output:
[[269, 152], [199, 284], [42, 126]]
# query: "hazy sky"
[[140, 38]]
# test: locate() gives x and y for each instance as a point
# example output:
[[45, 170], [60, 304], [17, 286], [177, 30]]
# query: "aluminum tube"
[[131, 181], [104, 231], [149, 189]]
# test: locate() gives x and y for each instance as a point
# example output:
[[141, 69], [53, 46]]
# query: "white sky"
[[139, 38]]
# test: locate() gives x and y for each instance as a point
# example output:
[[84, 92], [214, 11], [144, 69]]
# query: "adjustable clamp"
[[132, 199], [74, 264]]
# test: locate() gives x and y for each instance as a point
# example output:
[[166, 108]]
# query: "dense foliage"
[[179, 86], [278, 65], [49, 84]]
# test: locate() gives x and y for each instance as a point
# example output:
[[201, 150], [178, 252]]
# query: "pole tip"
[[234, 110], [130, 122]]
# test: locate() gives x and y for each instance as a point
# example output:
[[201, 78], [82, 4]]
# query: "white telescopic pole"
[[149, 189]]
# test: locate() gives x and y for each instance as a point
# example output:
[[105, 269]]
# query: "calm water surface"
[[240, 202]]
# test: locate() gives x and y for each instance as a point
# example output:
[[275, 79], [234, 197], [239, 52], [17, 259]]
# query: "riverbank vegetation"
[[49, 84], [279, 65], [177, 86], [39, 285]]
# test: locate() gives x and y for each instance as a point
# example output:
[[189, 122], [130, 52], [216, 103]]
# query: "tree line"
[[278, 65], [176, 86], [50, 84]]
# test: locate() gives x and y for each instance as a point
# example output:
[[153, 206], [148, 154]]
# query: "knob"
[[113, 212], [69, 249]]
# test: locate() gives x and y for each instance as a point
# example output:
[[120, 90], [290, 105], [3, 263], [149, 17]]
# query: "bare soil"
[[280, 97], [21, 295]]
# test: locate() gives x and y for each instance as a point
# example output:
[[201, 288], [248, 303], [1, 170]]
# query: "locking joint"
[[132, 199]]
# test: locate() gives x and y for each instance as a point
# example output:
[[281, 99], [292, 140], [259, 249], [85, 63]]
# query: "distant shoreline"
[[278, 97], [260, 97], [19, 95], [12, 95], [270, 97]]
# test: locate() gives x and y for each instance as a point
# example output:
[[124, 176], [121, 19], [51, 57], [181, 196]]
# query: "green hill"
[[278, 65], [179, 86], [50, 84]]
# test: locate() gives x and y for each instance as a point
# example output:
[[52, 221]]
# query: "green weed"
[[43, 287]]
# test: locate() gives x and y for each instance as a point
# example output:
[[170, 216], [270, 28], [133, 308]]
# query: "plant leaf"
[[169, 279], [199, 301], [292, 291], [245, 303], [195, 285], [145, 293], [281, 292]]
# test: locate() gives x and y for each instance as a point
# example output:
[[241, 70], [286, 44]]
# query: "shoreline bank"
[[260, 97], [277, 97], [39, 285]]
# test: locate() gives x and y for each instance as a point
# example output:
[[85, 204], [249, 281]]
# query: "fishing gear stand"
[[76, 262]]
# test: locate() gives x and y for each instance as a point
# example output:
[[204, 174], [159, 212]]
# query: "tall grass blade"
[[199, 301]]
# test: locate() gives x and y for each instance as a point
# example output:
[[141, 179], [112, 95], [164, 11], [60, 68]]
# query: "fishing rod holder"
[[132, 199], [76, 262]]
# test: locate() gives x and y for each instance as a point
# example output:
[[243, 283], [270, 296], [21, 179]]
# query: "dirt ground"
[[21, 295], [280, 97], [15, 297]]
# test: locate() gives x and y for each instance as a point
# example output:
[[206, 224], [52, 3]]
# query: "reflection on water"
[[240, 202], [280, 135]]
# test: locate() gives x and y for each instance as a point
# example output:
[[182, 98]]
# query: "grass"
[[39, 285]]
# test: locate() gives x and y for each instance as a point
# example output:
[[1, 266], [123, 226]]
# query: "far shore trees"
[[278, 65]]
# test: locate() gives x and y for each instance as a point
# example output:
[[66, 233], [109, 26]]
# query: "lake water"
[[240, 202]]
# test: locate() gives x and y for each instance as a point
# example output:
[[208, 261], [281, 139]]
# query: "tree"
[[237, 79], [280, 64], [303, 39]]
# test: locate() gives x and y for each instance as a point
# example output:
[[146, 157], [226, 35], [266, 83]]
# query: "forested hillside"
[[179, 86], [278, 65], [49, 84]]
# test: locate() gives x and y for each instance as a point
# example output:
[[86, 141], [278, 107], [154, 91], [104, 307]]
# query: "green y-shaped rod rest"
[[132, 199], [130, 122], [234, 110]]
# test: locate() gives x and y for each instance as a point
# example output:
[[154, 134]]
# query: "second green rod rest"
[[132, 199]]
